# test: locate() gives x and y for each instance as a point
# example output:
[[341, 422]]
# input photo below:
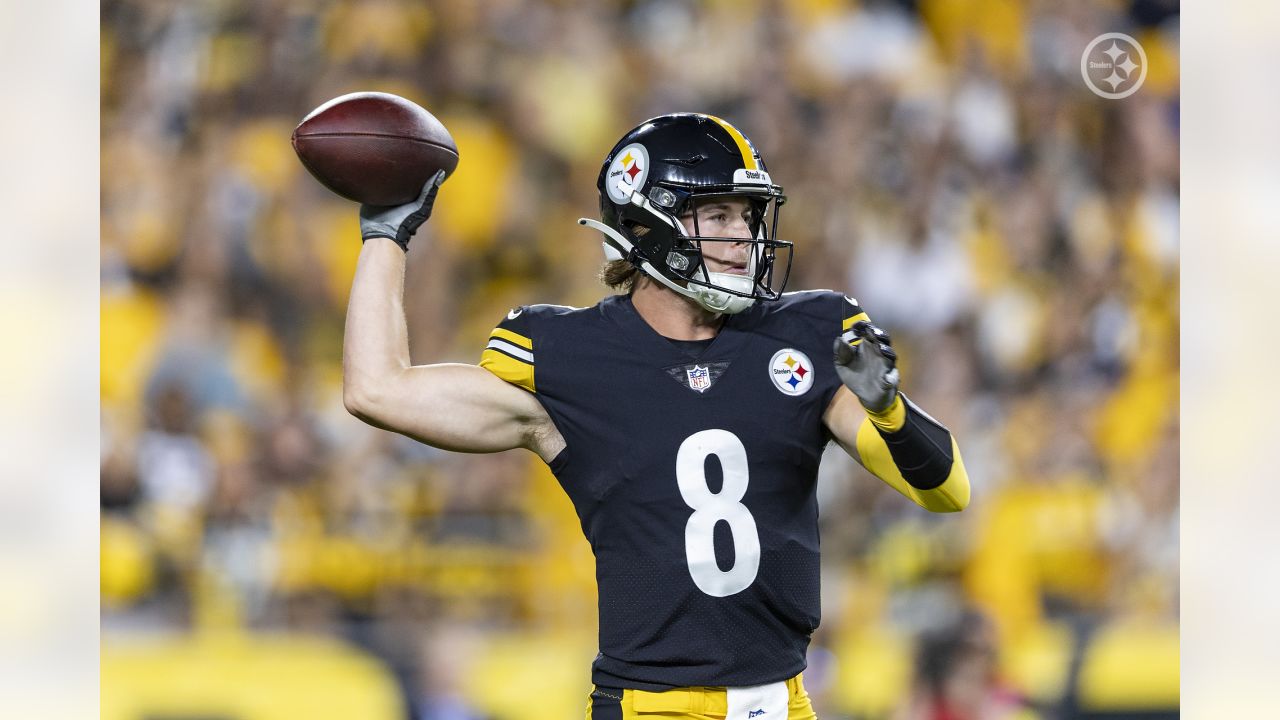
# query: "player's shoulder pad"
[[511, 352], [808, 297], [526, 320], [827, 307]]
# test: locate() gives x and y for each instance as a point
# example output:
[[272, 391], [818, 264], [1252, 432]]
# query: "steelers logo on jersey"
[[791, 371]]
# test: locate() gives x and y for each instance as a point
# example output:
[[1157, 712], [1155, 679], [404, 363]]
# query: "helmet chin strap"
[[617, 247]]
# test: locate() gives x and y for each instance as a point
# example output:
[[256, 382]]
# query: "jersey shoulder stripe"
[[509, 353], [511, 369], [853, 314], [511, 337], [509, 349]]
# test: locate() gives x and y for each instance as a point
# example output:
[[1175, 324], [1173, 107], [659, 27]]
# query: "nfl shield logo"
[[699, 378]]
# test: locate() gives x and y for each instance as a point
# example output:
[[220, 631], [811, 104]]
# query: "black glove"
[[868, 369], [400, 222]]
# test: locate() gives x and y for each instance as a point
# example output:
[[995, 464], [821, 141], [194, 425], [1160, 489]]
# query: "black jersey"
[[693, 473]]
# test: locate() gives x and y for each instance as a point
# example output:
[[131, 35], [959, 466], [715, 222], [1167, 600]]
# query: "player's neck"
[[674, 316]]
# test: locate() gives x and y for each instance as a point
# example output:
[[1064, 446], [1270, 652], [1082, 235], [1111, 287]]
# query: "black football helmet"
[[666, 168]]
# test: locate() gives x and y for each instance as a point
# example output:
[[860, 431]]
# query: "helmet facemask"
[[727, 291], [667, 168], [671, 249]]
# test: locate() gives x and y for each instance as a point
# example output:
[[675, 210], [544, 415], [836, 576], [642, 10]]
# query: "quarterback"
[[691, 461]]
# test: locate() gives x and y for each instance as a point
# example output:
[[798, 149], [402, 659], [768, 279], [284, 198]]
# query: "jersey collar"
[[725, 346]]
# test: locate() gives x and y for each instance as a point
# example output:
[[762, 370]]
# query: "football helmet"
[[665, 169]]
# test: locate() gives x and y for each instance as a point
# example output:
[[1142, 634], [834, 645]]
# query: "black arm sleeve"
[[921, 448]]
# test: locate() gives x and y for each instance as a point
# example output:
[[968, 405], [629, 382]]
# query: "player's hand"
[[868, 369], [400, 222]]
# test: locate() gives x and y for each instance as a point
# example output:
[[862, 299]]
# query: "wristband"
[[891, 418]]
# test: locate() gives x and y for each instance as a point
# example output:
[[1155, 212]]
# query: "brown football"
[[374, 148]]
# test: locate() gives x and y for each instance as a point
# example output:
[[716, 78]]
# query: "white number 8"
[[710, 508]]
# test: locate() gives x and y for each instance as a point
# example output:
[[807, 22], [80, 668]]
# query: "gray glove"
[[400, 222], [868, 369]]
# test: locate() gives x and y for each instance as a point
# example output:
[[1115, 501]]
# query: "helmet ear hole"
[[642, 236], [637, 229]]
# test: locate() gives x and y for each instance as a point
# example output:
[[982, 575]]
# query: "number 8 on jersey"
[[709, 508]]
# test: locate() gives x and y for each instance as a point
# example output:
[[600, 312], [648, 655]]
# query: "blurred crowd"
[[944, 163]]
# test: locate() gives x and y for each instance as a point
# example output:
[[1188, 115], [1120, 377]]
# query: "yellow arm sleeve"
[[951, 496]]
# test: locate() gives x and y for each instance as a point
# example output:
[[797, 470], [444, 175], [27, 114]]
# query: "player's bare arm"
[[450, 406], [885, 432]]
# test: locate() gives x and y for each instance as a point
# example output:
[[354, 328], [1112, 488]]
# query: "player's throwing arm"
[[450, 406], [392, 157]]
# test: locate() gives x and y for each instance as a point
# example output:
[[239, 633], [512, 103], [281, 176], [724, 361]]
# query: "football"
[[374, 148]]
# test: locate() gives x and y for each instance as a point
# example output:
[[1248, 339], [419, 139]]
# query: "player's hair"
[[619, 275]]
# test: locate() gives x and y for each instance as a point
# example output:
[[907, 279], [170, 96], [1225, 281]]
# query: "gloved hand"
[[868, 369], [400, 222]]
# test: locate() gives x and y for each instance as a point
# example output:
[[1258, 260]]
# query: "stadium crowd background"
[[944, 163]]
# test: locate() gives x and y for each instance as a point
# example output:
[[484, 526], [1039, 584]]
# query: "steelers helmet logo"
[[791, 371], [630, 167]]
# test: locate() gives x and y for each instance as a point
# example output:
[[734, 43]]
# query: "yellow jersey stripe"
[[849, 321], [512, 337], [748, 157], [508, 368]]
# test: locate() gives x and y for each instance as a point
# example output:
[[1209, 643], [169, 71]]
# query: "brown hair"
[[619, 275]]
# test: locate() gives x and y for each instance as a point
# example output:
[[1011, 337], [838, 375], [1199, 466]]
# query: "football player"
[[685, 418]]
